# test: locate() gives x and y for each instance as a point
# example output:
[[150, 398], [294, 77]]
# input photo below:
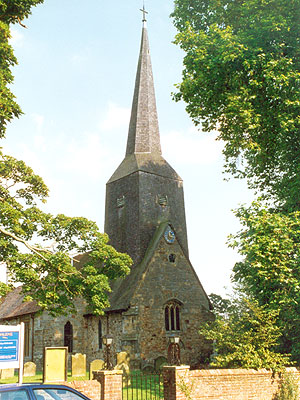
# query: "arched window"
[[68, 336], [172, 316], [100, 333]]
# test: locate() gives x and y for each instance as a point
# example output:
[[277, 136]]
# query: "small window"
[[68, 336], [26, 338], [172, 258], [100, 333]]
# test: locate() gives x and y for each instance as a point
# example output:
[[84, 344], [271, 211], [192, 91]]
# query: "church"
[[144, 217]]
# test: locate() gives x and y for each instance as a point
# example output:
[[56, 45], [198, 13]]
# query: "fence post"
[[172, 377], [111, 384]]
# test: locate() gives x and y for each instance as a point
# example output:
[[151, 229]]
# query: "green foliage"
[[11, 11], [242, 76], [49, 275], [289, 389], [222, 307], [4, 289], [35, 245], [246, 338], [270, 270]]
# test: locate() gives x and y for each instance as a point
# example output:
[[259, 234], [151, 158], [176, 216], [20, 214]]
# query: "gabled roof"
[[13, 306], [124, 290]]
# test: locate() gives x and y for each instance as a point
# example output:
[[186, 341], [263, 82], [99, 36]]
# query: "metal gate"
[[143, 386]]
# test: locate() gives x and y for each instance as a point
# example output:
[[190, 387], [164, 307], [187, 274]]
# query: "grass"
[[140, 387], [38, 378]]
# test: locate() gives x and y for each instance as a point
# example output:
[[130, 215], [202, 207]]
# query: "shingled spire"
[[143, 136]]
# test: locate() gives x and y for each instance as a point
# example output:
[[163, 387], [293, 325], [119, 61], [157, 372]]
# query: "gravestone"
[[123, 360], [159, 362], [55, 364], [78, 364], [29, 369], [7, 373], [95, 365]]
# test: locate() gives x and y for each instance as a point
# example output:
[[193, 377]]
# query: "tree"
[[242, 76], [49, 274], [246, 336], [11, 11], [35, 245], [270, 270]]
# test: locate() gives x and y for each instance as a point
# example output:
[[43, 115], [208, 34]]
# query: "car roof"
[[33, 386]]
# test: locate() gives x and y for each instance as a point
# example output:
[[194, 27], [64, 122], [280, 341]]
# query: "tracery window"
[[68, 336], [172, 316]]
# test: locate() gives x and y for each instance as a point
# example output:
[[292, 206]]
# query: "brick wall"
[[227, 384], [111, 384], [91, 389]]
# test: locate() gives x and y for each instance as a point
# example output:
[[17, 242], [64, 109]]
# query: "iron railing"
[[142, 386]]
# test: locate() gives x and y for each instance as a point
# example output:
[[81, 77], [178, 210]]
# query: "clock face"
[[169, 235]]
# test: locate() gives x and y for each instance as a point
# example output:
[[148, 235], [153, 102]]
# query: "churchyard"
[[134, 386]]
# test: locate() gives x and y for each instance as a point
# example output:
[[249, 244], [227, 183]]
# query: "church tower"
[[145, 217], [144, 190]]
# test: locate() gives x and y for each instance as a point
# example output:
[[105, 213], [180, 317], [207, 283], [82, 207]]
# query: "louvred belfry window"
[[172, 317]]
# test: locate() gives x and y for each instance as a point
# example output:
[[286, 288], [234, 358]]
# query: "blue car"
[[31, 391]]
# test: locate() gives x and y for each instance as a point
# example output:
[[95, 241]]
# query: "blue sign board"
[[9, 346]]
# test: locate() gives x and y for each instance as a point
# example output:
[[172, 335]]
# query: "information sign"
[[9, 346], [12, 347]]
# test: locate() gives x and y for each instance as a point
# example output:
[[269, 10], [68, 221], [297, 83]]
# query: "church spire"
[[143, 135], [144, 191]]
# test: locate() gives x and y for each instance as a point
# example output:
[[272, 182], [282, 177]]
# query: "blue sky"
[[74, 82]]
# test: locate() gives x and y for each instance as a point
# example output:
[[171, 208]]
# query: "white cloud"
[[16, 38], [38, 121], [78, 59], [116, 117], [191, 147], [33, 159], [88, 157]]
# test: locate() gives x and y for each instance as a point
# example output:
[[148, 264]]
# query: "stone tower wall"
[[149, 199]]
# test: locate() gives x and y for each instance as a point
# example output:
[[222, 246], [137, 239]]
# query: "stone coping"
[[109, 372], [176, 367], [223, 372], [238, 371]]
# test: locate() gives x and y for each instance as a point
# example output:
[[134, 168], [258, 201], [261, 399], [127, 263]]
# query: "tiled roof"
[[13, 306]]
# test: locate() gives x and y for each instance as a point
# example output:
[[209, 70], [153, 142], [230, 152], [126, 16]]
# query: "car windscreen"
[[56, 394], [14, 395]]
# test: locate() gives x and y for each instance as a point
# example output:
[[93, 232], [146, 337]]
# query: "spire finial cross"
[[144, 12]]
